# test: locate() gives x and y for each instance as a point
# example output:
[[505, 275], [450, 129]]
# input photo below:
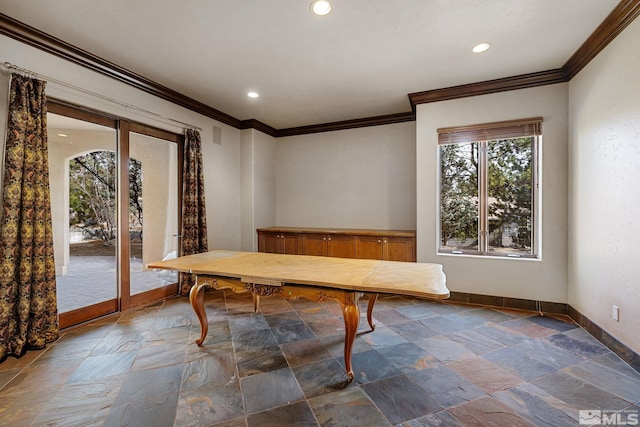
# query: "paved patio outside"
[[92, 279]]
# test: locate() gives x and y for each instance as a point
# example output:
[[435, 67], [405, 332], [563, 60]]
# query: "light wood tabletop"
[[315, 278], [401, 278]]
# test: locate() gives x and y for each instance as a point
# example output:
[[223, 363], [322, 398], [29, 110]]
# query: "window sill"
[[478, 256]]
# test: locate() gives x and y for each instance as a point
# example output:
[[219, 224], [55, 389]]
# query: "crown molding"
[[622, 15], [489, 86], [258, 125], [43, 41], [348, 124], [619, 18]]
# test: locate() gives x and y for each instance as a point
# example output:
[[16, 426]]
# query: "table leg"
[[348, 301], [351, 314], [196, 297], [372, 301], [256, 302]]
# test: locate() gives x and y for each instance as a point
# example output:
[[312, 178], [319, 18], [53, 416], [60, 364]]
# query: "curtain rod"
[[14, 68]]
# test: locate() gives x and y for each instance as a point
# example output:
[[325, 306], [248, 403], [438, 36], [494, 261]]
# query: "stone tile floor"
[[426, 364]]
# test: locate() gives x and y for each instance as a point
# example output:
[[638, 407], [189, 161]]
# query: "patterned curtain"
[[194, 216], [28, 305]]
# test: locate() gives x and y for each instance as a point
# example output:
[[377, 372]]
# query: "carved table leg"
[[372, 301], [196, 297], [351, 313], [256, 302]]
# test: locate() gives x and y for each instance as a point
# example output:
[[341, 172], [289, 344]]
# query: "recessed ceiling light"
[[63, 135], [479, 48], [321, 7], [253, 94]]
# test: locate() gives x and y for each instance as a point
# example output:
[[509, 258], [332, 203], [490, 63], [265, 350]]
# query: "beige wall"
[[545, 279], [358, 178], [604, 118], [258, 185]]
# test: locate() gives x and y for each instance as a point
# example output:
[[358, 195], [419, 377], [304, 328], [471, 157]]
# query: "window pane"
[[510, 186], [153, 210], [459, 197]]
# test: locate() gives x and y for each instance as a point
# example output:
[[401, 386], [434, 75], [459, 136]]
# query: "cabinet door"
[[268, 242], [341, 246], [369, 247], [290, 244], [314, 244], [399, 249]]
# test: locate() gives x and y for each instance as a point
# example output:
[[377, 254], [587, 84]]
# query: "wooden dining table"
[[316, 278]]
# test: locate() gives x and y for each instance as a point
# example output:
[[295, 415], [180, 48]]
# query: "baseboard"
[[624, 352], [620, 349], [505, 302]]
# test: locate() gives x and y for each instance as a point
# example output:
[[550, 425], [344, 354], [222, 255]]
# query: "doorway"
[[115, 207]]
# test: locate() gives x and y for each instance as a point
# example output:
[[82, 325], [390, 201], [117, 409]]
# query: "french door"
[[115, 190]]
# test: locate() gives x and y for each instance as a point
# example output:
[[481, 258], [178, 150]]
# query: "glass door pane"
[[153, 210], [82, 168]]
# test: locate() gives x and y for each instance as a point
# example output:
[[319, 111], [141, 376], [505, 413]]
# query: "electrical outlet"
[[615, 313]]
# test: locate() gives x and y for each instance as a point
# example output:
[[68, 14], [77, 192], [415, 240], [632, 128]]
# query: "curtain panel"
[[28, 304], [194, 216]]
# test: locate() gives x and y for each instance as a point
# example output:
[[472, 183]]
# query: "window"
[[488, 188]]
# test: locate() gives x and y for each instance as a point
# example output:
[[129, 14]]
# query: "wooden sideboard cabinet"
[[280, 243], [391, 248], [335, 245], [392, 245]]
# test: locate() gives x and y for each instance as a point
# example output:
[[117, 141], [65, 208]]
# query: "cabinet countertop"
[[349, 231]]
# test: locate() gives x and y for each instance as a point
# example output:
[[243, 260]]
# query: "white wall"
[[247, 215], [604, 118], [357, 178], [258, 185], [545, 279], [220, 143]]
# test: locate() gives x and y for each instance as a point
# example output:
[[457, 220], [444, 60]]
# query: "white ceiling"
[[359, 61]]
